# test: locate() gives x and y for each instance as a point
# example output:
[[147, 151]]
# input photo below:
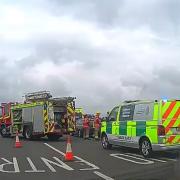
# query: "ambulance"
[[146, 125]]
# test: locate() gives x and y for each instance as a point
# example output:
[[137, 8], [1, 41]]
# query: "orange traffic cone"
[[69, 154], [17, 143]]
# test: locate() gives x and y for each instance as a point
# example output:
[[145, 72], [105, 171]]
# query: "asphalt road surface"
[[43, 159]]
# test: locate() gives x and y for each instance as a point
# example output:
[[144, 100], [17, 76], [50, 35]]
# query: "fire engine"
[[40, 115]]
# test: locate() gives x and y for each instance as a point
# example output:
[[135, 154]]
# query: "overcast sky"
[[100, 51]]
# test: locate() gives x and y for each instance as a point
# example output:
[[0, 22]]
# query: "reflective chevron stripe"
[[46, 124]]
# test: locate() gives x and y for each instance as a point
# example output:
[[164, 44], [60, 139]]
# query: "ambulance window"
[[127, 112], [143, 112], [113, 114]]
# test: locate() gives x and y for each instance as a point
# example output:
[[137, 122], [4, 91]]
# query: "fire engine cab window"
[[6, 110], [0, 112], [143, 112], [126, 113], [113, 114]]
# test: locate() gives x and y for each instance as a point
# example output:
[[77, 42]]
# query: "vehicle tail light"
[[161, 130]]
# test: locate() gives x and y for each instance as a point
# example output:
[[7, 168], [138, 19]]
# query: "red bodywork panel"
[[6, 114]]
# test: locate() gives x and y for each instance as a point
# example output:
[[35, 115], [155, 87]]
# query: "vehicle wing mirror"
[[112, 119], [104, 119]]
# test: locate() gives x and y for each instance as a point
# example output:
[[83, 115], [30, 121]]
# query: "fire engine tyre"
[[145, 148], [80, 133], [3, 131], [53, 137], [27, 133], [105, 142]]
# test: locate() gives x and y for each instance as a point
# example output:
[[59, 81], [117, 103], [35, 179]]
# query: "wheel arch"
[[25, 126], [142, 138], [103, 133], [3, 125]]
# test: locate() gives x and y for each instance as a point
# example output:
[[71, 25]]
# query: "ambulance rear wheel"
[[105, 142], [145, 148]]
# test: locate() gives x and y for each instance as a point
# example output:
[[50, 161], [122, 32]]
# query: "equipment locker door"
[[38, 117]]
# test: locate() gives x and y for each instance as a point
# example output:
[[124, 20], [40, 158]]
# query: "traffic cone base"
[[17, 143], [69, 154]]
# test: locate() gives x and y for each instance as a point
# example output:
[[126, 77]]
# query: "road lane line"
[[137, 155], [167, 159], [102, 175], [93, 167], [63, 154], [154, 159], [158, 160], [146, 162], [59, 164], [34, 169]]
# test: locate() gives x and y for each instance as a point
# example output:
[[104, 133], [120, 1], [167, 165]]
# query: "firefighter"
[[97, 123], [86, 127], [71, 124], [65, 123]]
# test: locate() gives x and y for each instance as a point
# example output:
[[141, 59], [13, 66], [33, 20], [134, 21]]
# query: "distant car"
[[79, 126]]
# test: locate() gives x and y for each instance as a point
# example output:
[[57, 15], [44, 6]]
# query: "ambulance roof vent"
[[131, 101]]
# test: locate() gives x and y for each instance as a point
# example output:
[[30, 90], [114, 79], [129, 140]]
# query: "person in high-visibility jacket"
[[86, 127], [97, 123]]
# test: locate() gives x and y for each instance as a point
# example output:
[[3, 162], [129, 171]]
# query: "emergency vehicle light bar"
[[38, 95]]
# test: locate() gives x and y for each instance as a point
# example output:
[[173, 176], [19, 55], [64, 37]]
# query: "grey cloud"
[[111, 73], [162, 16], [165, 83], [62, 52], [14, 83]]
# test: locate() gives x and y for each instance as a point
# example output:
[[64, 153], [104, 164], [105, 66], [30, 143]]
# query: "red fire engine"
[[5, 118]]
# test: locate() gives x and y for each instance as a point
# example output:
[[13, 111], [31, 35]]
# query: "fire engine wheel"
[[80, 133], [53, 137], [145, 148], [105, 142], [3, 132], [27, 133]]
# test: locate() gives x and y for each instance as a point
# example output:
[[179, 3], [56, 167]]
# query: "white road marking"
[[34, 169], [14, 163], [168, 159], [158, 160], [80, 160], [63, 154], [59, 164], [133, 157], [93, 167], [103, 176], [163, 160]]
